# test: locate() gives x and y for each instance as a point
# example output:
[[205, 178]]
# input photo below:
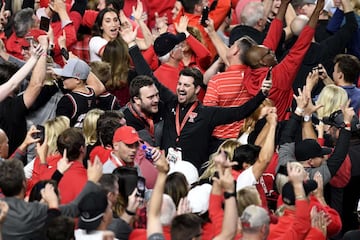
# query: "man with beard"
[[142, 112], [187, 123]]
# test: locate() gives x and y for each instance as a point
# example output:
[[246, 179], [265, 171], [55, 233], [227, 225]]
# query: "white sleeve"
[[95, 45], [28, 169], [246, 178]]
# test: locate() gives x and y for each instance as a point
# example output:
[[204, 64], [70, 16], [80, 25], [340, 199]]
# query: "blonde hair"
[[247, 196], [53, 128], [249, 122], [332, 98], [228, 146], [89, 127], [356, 6]]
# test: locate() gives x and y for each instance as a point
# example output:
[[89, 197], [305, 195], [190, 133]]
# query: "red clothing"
[[122, 95], [335, 224], [72, 182], [201, 56], [293, 224], [217, 15], [129, 4], [39, 169], [161, 7], [81, 48], [70, 32], [315, 234], [14, 45], [140, 233], [168, 76], [283, 74], [227, 90]]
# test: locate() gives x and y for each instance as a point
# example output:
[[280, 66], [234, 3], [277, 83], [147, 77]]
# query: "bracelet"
[[130, 213]]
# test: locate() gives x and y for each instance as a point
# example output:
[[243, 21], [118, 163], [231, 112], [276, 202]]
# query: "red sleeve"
[[302, 224], [89, 18], [151, 58], [76, 18], [216, 213], [285, 72], [321, 141], [335, 224], [202, 54], [273, 36], [219, 13]]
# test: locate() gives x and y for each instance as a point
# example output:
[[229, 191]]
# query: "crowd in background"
[[189, 119]]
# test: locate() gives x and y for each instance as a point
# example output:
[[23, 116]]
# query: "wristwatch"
[[307, 118], [228, 195]]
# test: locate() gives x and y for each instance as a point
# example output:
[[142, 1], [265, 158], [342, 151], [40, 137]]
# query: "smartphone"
[[140, 187], [40, 134], [204, 16], [65, 53], [44, 23]]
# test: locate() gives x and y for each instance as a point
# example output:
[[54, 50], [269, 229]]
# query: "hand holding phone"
[[204, 16], [40, 134], [140, 187], [267, 83], [44, 23]]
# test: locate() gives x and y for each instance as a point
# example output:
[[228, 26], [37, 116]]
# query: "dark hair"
[[245, 44], [127, 180], [137, 83], [107, 182], [194, 73], [7, 70], [72, 139], [176, 186], [185, 226], [106, 126], [116, 4], [35, 194], [96, 29], [60, 228], [189, 5], [12, 177], [349, 65], [246, 153]]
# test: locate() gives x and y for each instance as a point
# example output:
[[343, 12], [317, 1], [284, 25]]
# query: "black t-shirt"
[[75, 105], [12, 120]]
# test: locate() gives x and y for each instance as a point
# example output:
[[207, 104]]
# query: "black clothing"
[[196, 134], [324, 53], [12, 120], [75, 105], [107, 101]]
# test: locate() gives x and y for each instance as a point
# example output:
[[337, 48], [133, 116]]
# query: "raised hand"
[[183, 206], [267, 84], [94, 170], [348, 112], [301, 100], [138, 11], [48, 194], [4, 208], [63, 164], [296, 173], [182, 25], [162, 164]]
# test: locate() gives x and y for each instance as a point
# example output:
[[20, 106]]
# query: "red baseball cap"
[[126, 134]]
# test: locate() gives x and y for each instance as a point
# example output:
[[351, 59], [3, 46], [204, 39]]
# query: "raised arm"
[[229, 225], [7, 88], [268, 148], [148, 40], [38, 75], [153, 216]]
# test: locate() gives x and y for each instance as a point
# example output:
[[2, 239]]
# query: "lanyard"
[[177, 120], [143, 118]]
